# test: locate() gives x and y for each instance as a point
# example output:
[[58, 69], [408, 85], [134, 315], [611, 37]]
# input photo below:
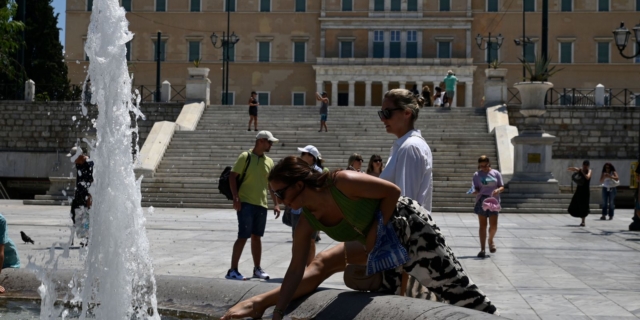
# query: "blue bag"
[[388, 252]]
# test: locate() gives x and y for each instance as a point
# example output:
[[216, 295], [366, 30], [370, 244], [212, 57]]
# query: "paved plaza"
[[546, 266]]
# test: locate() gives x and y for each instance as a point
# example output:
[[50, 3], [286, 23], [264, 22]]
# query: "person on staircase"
[[355, 162], [487, 184], [609, 180], [375, 166], [579, 206], [374, 225], [324, 110], [426, 95], [250, 202], [253, 111], [450, 83]]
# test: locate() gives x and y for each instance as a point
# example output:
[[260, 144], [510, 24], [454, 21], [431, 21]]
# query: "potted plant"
[[494, 70], [198, 72], [534, 88]]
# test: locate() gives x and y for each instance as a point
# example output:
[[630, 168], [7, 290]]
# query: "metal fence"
[[45, 92], [583, 97], [148, 93]]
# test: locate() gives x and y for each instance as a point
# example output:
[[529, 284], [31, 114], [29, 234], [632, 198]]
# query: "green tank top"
[[358, 217]]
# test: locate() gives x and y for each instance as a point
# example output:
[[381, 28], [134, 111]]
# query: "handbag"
[[356, 278], [578, 178]]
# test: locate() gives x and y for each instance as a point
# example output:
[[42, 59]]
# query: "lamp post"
[[480, 41], [226, 42], [525, 41]]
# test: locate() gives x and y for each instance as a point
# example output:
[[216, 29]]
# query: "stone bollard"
[[29, 90], [165, 95], [198, 85], [599, 95]]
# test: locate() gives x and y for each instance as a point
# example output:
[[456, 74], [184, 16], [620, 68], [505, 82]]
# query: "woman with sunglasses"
[[375, 226], [609, 180], [375, 166], [355, 162], [487, 183]]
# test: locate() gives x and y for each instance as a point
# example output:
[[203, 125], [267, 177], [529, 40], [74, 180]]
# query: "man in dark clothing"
[[635, 225], [84, 179]]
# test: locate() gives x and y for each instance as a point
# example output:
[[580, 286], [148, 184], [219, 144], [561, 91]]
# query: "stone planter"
[[198, 72], [499, 73], [532, 96]]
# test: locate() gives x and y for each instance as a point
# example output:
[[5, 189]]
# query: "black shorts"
[[253, 111]]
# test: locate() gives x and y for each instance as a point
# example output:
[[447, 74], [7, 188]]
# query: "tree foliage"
[[10, 40]]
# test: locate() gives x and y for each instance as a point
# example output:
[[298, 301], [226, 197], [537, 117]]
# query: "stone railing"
[[395, 61]]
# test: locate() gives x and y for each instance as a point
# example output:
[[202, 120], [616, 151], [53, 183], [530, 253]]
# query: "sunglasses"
[[280, 193], [377, 160], [359, 160], [387, 113]]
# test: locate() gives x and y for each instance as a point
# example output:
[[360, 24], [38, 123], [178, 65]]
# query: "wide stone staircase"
[[188, 173]]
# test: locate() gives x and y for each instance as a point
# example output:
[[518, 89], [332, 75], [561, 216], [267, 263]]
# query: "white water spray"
[[119, 277]]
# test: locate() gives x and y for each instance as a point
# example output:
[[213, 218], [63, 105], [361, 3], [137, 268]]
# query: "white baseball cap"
[[264, 134], [312, 150], [73, 152]]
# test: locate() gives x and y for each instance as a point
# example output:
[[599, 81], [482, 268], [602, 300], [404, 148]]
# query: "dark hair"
[[613, 169], [370, 166], [586, 163], [292, 169], [405, 99], [483, 158], [253, 92], [354, 157]]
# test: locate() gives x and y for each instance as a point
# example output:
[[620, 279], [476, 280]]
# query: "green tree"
[[43, 55], [10, 42]]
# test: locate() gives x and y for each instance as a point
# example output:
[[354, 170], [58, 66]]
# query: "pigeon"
[[25, 238]]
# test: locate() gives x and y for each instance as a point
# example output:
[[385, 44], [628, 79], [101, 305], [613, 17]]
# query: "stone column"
[[468, 94], [454, 101], [367, 93], [29, 90], [385, 87], [352, 93], [319, 89], [403, 84], [334, 93]]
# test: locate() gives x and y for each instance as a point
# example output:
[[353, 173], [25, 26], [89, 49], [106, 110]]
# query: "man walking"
[[450, 82], [250, 201], [82, 198], [324, 110]]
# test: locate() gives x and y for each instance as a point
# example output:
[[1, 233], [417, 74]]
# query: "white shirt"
[[410, 167]]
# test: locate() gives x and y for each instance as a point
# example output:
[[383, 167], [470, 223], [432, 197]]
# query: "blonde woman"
[[375, 166], [355, 162]]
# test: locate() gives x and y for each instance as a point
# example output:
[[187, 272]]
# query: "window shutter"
[[492, 5], [265, 5], [445, 5], [378, 5], [412, 5], [264, 52], [603, 52], [565, 52], [395, 5], [301, 5], [298, 50]]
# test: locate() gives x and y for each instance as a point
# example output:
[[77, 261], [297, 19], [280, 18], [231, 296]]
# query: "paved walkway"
[[546, 266]]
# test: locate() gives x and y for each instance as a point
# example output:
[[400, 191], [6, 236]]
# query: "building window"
[[264, 51], [163, 51], [346, 49], [396, 5], [263, 98], [89, 5], [161, 5], [265, 5], [195, 6], [603, 52], [445, 5], [194, 50], [301, 5], [230, 99], [299, 51], [412, 44], [347, 5], [395, 45], [230, 5], [128, 54], [378, 44], [637, 5], [126, 4], [529, 52], [232, 53], [492, 5], [297, 99], [566, 6], [412, 5], [492, 52], [378, 5], [566, 52], [444, 49], [529, 5], [603, 5]]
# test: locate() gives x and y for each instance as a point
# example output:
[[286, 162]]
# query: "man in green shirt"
[[450, 82], [251, 202]]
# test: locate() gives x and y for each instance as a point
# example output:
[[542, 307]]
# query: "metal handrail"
[[623, 97], [4, 192]]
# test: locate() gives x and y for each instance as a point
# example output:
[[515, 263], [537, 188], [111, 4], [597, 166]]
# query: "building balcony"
[[394, 62]]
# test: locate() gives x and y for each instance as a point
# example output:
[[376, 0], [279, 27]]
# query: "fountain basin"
[[196, 297]]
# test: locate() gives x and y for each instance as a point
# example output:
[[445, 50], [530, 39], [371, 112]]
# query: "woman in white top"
[[409, 165], [410, 162], [609, 180]]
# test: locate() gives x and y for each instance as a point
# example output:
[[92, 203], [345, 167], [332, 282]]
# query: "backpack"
[[223, 182]]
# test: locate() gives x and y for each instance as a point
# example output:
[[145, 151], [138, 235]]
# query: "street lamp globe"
[[479, 40], [500, 39], [621, 36], [214, 39], [234, 39]]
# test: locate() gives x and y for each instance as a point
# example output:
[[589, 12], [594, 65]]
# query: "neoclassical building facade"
[[356, 50]]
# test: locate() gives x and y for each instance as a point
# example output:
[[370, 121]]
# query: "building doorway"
[[343, 98]]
